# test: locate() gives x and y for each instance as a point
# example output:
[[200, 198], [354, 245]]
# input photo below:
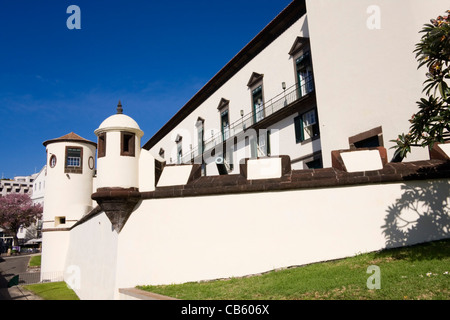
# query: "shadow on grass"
[[439, 250]]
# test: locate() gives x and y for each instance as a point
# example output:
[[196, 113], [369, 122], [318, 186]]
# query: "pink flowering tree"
[[431, 123], [18, 210]]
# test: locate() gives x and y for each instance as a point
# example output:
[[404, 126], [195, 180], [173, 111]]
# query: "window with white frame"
[[258, 106], [306, 126], [74, 159], [225, 124], [179, 142], [224, 118], [304, 74], [301, 55], [200, 124], [255, 84]]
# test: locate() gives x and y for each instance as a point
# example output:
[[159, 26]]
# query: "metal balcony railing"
[[280, 101]]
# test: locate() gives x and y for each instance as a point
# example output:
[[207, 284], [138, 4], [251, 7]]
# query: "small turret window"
[[52, 161], [74, 159], [102, 145], [60, 220], [127, 144]]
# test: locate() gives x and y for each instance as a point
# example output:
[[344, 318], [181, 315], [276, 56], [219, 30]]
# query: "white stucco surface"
[[120, 122], [67, 195], [264, 168], [146, 171], [90, 264], [115, 169], [364, 160], [174, 175], [200, 238], [365, 70], [446, 148]]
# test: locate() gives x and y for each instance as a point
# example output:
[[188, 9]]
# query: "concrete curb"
[[17, 293], [138, 294]]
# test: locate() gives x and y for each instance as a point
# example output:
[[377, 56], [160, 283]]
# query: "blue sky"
[[152, 55]]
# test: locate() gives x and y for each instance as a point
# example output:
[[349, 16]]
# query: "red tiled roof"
[[69, 137]]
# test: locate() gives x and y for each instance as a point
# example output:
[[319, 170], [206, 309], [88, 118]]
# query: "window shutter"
[[298, 124]]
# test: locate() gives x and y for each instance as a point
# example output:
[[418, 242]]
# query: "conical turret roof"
[[70, 137]]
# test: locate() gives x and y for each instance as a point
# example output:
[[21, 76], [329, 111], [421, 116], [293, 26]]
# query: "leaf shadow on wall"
[[421, 214]]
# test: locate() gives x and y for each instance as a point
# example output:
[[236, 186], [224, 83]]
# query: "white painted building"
[[19, 185], [38, 189], [221, 191], [329, 75], [33, 234]]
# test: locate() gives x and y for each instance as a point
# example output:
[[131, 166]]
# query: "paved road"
[[9, 267]]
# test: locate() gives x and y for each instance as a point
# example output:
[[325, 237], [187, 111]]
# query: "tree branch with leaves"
[[16, 211], [431, 124]]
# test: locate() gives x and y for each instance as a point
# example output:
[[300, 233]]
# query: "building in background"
[[33, 235], [18, 185], [38, 192]]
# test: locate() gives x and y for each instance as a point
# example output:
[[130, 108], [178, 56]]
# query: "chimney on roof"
[[119, 108]]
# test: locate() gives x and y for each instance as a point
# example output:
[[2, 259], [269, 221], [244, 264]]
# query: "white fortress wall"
[[90, 267], [231, 226], [177, 240]]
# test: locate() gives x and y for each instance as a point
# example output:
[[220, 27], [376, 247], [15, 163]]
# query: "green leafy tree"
[[431, 123]]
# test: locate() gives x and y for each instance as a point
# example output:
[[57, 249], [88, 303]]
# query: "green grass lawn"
[[418, 272], [35, 261], [52, 291]]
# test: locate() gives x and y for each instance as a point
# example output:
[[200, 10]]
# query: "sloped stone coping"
[[338, 161], [143, 295], [362, 161], [440, 151], [305, 179], [94, 212]]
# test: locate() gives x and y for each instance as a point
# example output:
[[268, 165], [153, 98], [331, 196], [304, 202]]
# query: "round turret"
[[69, 179], [119, 140], [68, 188]]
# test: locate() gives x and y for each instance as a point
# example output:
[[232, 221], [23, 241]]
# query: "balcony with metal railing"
[[279, 102]]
